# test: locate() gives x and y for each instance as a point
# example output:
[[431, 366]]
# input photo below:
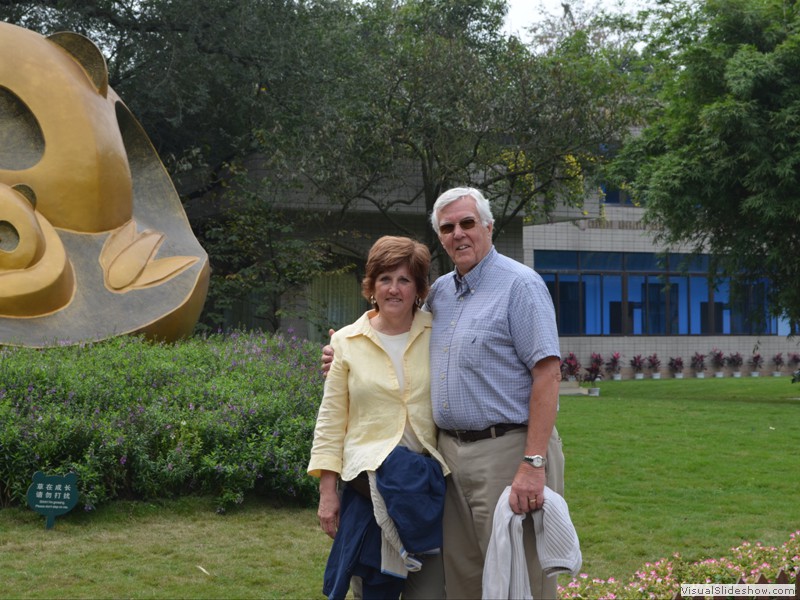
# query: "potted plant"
[[734, 360], [593, 373], [698, 362], [637, 364], [613, 365], [794, 360], [777, 360], [654, 363], [595, 367], [570, 367], [676, 367], [756, 362], [717, 358]]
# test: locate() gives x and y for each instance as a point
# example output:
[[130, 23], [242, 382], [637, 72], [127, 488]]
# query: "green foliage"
[[663, 578], [258, 253], [717, 163], [380, 104], [453, 101], [202, 76], [222, 414]]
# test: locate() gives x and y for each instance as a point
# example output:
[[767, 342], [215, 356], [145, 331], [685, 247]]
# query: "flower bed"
[[662, 578]]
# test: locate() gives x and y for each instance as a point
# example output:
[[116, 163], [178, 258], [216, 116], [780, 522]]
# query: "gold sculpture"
[[94, 241]]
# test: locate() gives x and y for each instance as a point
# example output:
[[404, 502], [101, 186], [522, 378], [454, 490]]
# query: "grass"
[[653, 468], [688, 466], [176, 549]]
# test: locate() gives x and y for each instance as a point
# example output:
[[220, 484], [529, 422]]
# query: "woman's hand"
[[328, 511]]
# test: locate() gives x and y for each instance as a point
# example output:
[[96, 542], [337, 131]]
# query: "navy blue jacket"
[[412, 486]]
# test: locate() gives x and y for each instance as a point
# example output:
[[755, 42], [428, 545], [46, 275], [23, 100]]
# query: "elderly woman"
[[376, 437]]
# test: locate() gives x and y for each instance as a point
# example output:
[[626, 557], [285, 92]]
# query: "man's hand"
[[327, 356], [527, 489]]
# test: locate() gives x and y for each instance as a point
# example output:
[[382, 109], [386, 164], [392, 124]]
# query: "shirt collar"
[[469, 282], [422, 320]]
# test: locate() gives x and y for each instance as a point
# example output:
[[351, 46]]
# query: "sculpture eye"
[[9, 237], [21, 139]]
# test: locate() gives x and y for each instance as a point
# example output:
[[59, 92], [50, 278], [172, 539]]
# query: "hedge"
[[223, 414]]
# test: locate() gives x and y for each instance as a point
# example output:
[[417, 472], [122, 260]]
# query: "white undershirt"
[[395, 346]]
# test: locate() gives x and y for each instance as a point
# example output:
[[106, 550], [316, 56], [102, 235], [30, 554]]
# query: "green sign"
[[53, 495]]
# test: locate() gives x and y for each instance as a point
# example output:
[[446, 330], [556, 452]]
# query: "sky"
[[522, 13]]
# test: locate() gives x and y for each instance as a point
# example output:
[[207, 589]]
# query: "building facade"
[[615, 290]]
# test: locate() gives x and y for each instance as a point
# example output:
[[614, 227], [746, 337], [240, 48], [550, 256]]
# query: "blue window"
[[555, 260], [601, 261], [612, 305], [642, 293], [613, 195], [593, 304]]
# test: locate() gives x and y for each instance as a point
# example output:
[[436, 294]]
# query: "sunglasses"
[[465, 225]]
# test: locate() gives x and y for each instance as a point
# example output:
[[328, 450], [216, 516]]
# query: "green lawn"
[[689, 466], [653, 468], [178, 549]]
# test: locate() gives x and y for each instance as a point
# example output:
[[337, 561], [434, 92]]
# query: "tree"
[[206, 78], [384, 103], [717, 164], [443, 98], [259, 254]]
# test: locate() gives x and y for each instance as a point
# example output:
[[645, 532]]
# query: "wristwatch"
[[537, 460]]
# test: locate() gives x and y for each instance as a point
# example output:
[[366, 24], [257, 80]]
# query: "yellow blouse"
[[363, 411]]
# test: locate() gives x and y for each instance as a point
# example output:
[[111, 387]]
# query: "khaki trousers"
[[425, 584], [480, 471]]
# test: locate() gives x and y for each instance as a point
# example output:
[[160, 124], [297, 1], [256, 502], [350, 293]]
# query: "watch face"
[[536, 461]]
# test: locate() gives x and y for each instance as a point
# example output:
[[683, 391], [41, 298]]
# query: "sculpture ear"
[[27, 192], [88, 56]]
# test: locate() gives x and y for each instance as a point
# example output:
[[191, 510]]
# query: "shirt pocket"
[[483, 341]]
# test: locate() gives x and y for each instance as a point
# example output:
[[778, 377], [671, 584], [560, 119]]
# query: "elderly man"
[[495, 373]]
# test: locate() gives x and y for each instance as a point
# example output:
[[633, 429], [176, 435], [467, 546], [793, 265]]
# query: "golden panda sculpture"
[[94, 242]]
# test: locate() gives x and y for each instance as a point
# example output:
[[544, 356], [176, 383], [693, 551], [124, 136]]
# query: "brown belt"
[[495, 431]]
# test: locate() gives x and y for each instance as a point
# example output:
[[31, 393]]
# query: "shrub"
[[614, 363], [676, 364], [734, 360], [794, 360], [570, 366], [223, 414], [637, 363], [717, 358], [595, 367], [698, 362], [653, 362], [777, 360], [756, 361], [662, 578]]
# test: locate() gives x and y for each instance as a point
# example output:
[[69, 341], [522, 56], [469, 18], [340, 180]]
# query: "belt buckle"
[[457, 433]]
